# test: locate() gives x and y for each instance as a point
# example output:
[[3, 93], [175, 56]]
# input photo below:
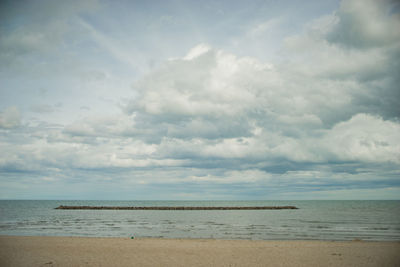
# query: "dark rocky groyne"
[[175, 208]]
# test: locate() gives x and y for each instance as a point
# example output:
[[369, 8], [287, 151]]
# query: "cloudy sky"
[[176, 99]]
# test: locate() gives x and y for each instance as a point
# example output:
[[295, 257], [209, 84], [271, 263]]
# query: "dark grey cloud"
[[372, 26], [367, 24]]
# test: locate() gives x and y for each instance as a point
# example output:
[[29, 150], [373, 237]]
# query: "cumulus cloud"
[[330, 103], [365, 138], [325, 118], [358, 45]]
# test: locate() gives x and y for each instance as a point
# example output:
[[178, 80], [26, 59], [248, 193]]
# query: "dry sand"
[[82, 251]]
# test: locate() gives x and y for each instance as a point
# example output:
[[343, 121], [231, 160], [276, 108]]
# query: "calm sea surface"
[[319, 220]]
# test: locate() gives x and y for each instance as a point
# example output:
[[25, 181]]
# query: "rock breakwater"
[[175, 208]]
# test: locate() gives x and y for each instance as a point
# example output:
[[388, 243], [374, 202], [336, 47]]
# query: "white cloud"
[[264, 27], [325, 118], [10, 118], [365, 138], [229, 177], [197, 51]]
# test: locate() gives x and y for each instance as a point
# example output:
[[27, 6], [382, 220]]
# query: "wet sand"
[[93, 251]]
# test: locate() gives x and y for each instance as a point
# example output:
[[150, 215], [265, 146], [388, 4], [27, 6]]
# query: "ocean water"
[[314, 220]]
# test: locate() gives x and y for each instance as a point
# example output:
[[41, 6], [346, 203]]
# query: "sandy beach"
[[82, 251]]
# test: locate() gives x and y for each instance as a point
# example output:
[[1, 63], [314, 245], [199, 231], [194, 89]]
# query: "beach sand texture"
[[93, 251]]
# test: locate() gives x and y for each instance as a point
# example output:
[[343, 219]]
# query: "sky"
[[200, 100]]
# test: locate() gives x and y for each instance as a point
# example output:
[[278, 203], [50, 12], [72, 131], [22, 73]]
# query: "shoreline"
[[205, 238], [117, 251]]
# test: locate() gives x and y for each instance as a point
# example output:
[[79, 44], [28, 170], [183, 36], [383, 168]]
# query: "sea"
[[314, 220]]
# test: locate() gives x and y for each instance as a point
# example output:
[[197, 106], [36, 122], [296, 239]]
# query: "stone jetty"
[[176, 208]]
